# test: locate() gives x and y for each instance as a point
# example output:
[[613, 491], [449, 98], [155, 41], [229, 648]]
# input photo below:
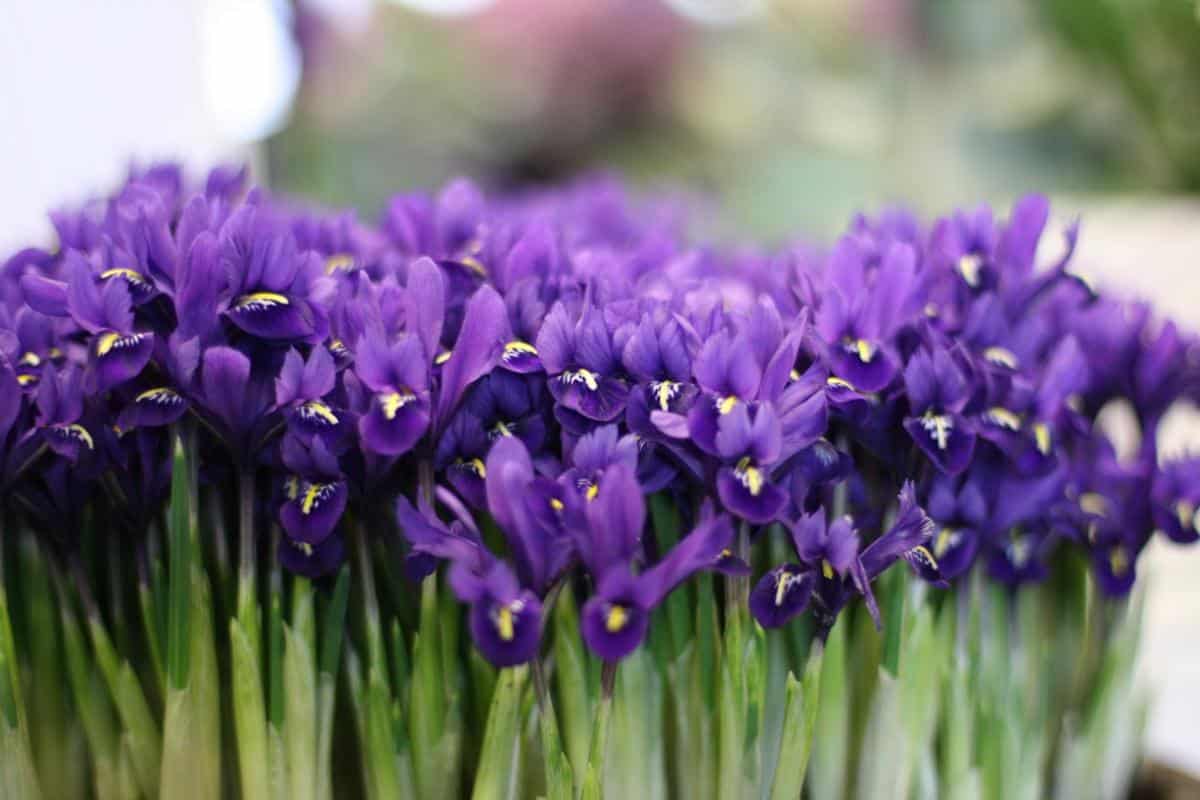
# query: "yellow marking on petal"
[[131, 275], [1185, 512], [1094, 503], [750, 476], [616, 618], [504, 623], [304, 547], [839, 383], [26, 380], [938, 426], [318, 409], [1041, 435], [312, 496], [392, 402], [593, 491], [664, 391], [827, 569], [502, 429], [261, 300], [1004, 418], [55, 352], [30, 359], [925, 555], [159, 394], [337, 347], [794, 375], [477, 466], [105, 342], [1118, 560], [726, 404], [443, 357], [585, 376], [556, 504], [945, 539], [339, 262], [1001, 356], [475, 265], [80, 433], [865, 350], [291, 487], [969, 266], [782, 584], [517, 347]]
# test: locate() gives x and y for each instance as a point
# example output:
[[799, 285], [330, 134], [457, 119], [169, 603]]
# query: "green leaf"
[[142, 739], [831, 745], [91, 703], [179, 577], [18, 780], [191, 750], [427, 698], [560, 781], [593, 779], [249, 715], [799, 722], [571, 681], [300, 729], [501, 742]]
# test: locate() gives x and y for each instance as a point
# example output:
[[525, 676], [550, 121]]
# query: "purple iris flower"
[[275, 291], [658, 356], [594, 454], [303, 387], [937, 393], [579, 356], [831, 566], [1175, 500], [863, 309], [506, 604], [400, 404], [959, 511], [616, 617], [60, 407], [118, 352], [315, 492], [235, 400], [749, 441]]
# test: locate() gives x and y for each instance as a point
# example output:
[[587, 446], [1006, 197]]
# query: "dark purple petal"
[[312, 561], [781, 595], [273, 315], [945, 438], [120, 357], [507, 631], [596, 397], [396, 421], [746, 491], [313, 509], [153, 408]]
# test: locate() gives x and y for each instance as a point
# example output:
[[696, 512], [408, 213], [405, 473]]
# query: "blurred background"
[[791, 114]]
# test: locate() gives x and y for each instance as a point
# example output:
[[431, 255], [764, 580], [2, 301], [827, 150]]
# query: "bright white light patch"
[[251, 66], [717, 12], [448, 8]]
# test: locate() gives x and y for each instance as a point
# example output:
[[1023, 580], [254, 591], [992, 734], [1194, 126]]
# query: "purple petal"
[[781, 595]]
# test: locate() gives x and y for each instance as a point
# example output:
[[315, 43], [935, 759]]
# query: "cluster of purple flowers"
[[536, 365]]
